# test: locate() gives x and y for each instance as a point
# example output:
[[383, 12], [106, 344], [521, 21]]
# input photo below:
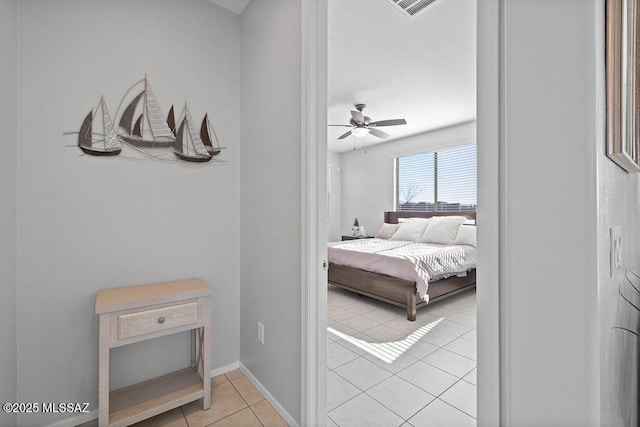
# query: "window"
[[437, 181]]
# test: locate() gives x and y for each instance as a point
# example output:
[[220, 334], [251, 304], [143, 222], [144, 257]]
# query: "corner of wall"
[[8, 213]]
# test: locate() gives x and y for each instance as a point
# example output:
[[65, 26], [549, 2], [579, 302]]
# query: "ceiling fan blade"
[[392, 122], [379, 133], [345, 135], [357, 116], [347, 126]]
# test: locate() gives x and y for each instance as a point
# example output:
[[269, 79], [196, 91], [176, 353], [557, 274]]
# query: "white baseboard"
[[276, 405], [224, 369], [76, 421]]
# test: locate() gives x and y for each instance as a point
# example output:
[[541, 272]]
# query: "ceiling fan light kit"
[[360, 132], [362, 125]]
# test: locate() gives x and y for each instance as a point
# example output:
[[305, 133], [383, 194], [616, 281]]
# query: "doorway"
[[488, 284]]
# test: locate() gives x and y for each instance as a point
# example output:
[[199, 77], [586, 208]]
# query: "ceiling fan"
[[362, 125]]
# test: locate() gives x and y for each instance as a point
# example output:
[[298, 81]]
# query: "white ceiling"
[[236, 6], [421, 69]]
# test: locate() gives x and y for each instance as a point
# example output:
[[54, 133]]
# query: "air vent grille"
[[411, 8]]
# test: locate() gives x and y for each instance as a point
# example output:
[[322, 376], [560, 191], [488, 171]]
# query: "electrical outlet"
[[615, 249], [260, 333]]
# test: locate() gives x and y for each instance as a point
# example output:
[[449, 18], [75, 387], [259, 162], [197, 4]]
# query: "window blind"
[[445, 180]]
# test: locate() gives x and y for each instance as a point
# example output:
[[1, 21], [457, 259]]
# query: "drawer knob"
[[161, 320]]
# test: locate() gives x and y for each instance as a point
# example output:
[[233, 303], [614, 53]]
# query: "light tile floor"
[[383, 370], [235, 402]]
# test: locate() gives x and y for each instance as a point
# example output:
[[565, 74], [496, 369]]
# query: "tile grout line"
[[406, 420], [184, 416], [245, 401], [233, 413]]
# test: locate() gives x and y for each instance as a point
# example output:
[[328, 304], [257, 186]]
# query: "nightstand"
[[356, 237]]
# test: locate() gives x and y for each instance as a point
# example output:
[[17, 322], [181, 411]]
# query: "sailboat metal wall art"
[[144, 133]]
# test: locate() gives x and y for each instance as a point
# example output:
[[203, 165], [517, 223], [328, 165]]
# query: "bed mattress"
[[417, 262]]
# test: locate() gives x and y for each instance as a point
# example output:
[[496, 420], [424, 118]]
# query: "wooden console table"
[[138, 313]]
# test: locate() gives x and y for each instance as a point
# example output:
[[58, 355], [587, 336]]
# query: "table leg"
[[103, 372], [206, 354]]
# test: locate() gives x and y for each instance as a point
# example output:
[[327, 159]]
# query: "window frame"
[[396, 173]]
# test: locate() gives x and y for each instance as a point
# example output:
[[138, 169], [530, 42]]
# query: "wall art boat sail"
[[141, 132], [105, 142], [206, 132], [189, 145], [150, 118]]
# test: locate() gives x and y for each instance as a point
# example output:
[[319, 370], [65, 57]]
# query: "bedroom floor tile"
[[384, 315], [341, 327], [339, 314], [389, 373], [463, 319], [421, 349], [361, 323], [383, 333], [338, 355], [429, 378], [339, 390], [357, 349], [463, 396], [450, 362], [463, 347], [453, 328], [362, 373], [363, 411], [439, 338], [472, 377], [397, 365], [400, 396], [441, 414], [410, 327], [360, 306], [472, 335]]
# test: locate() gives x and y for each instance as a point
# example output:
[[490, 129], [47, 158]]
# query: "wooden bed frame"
[[396, 291]]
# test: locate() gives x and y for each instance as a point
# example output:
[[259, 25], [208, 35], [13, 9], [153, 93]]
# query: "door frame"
[[490, 137]]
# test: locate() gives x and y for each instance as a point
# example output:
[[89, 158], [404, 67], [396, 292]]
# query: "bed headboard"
[[392, 217]]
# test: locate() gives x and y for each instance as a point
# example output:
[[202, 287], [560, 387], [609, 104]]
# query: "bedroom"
[[380, 365]]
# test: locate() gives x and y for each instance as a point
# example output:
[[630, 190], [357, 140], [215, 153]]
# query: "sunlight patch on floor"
[[388, 351]]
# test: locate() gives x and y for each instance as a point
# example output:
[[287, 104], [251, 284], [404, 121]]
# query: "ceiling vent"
[[411, 8]]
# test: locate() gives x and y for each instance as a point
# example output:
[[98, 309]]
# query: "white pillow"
[[411, 230], [466, 236], [442, 229], [386, 231]]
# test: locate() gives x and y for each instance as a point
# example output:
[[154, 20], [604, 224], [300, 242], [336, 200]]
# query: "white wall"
[[88, 223], [334, 184], [367, 175], [618, 204], [271, 197], [8, 218], [549, 256]]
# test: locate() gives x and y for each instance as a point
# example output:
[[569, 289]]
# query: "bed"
[[399, 291]]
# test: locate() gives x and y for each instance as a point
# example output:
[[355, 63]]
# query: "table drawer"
[[159, 319]]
